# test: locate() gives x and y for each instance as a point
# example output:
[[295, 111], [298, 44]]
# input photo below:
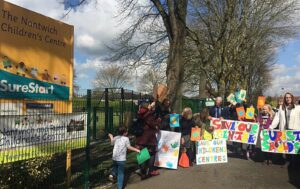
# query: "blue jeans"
[[118, 171]]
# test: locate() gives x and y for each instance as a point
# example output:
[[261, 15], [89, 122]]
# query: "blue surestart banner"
[[17, 87]]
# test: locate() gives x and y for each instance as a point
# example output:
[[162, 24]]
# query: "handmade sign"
[[241, 95], [207, 135], [195, 134], [174, 120], [168, 149], [143, 156], [160, 92], [261, 102], [250, 113], [276, 141], [237, 97], [211, 151], [231, 99], [236, 131], [240, 112]]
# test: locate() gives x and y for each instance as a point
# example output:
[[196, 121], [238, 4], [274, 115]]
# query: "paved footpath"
[[237, 173]]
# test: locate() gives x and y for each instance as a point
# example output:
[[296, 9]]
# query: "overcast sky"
[[96, 25]]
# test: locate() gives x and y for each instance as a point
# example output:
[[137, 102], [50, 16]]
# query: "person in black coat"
[[217, 111], [165, 115], [186, 124]]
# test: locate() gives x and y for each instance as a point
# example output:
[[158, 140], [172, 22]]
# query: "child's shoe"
[[111, 178], [154, 173]]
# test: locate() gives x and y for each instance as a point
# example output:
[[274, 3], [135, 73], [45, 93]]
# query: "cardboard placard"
[[168, 149], [196, 134], [160, 92], [261, 102], [250, 113], [211, 152], [240, 112], [236, 131], [276, 141], [231, 99], [174, 120]]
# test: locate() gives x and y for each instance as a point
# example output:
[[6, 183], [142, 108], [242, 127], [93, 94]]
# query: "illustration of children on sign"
[[45, 76], [21, 69], [6, 62], [34, 72], [63, 80], [56, 79]]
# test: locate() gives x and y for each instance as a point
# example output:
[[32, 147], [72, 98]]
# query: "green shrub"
[[25, 174]]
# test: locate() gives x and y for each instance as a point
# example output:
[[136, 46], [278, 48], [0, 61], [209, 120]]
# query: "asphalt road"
[[237, 173]]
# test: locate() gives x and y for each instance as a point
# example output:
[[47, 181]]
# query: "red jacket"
[[151, 126]]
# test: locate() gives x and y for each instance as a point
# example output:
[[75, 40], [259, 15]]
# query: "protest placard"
[[241, 95], [250, 113], [261, 101], [231, 99], [160, 92], [211, 151], [195, 134], [174, 120], [236, 131], [240, 112], [168, 149], [276, 141]]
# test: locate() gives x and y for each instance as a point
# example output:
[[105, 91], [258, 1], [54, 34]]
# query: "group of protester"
[[156, 117]]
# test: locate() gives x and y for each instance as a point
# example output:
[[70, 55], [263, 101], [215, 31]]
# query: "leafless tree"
[[232, 42], [112, 76], [149, 80], [156, 36]]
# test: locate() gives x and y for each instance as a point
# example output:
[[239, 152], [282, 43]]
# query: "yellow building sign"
[[36, 57]]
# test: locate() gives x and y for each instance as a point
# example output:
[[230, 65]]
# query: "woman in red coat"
[[148, 138]]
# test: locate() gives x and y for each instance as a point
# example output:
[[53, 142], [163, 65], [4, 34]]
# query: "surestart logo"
[[32, 87]]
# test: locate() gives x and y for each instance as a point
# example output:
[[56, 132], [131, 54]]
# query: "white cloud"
[[86, 41], [90, 65], [285, 79], [51, 8], [83, 76], [95, 23]]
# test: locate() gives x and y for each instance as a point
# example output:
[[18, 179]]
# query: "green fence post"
[[106, 106], [132, 102], [87, 147], [111, 120], [94, 123], [122, 106]]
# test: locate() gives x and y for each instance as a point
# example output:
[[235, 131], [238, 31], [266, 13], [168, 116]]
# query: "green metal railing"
[[106, 109]]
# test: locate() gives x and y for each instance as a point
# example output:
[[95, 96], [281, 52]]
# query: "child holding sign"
[[249, 117], [121, 144], [186, 125], [265, 119]]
